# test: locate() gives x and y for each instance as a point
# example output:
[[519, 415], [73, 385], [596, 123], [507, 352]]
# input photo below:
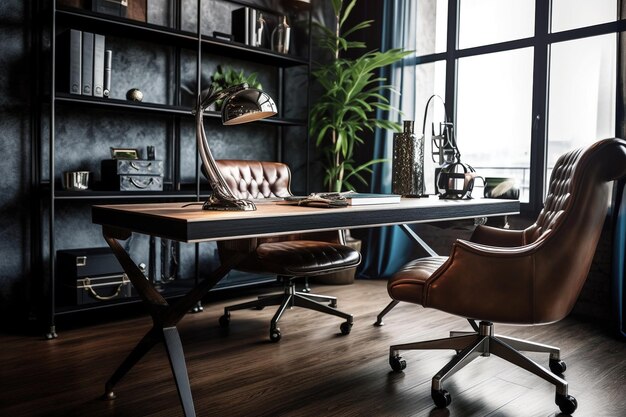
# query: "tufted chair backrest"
[[567, 230], [256, 179]]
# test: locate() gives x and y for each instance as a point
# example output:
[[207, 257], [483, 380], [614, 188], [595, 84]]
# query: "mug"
[[75, 180]]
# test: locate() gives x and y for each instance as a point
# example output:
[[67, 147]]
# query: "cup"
[[75, 180], [497, 187]]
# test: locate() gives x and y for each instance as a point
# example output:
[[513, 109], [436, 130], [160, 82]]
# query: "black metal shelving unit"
[[53, 21]]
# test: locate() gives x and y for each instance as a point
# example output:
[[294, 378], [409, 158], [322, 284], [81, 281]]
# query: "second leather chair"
[[288, 256]]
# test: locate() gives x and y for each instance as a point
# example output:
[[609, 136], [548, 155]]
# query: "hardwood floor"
[[312, 371]]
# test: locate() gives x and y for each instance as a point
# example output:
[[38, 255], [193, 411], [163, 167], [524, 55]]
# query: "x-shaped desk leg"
[[423, 245], [164, 319]]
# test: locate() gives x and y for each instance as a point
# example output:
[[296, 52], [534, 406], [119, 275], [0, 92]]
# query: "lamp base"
[[217, 204]]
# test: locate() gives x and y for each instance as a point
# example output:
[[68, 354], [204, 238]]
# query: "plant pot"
[[344, 277]]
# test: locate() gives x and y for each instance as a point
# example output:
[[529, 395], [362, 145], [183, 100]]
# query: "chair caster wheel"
[[557, 366], [333, 304], [110, 395], [275, 334], [224, 321], [397, 363], [345, 327], [566, 403], [259, 307], [441, 398]]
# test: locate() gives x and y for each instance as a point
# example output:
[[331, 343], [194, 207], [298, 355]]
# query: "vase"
[[280, 36], [407, 175]]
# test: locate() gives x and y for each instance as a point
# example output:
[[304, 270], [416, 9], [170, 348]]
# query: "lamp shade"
[[246, 106]]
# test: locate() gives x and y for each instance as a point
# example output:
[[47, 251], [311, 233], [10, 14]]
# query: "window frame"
[[540, 43]]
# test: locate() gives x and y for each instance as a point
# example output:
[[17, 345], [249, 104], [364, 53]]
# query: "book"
[[98, 65], [362, 199], [108, 57], [243, 25], [348, 198], [87, 62], [69, 60]]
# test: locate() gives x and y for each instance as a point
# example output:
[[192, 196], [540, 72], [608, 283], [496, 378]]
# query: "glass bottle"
[[407, 176], [280, 36]]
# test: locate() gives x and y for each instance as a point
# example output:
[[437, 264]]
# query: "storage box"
[[132, 174], [90, 275]]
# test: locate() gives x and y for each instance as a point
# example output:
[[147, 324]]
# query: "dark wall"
[[15, 125]]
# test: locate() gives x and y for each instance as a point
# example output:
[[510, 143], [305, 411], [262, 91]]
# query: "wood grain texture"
[[313, 371]]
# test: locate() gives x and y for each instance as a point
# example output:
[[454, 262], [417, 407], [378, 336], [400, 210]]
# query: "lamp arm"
[[221, 192]]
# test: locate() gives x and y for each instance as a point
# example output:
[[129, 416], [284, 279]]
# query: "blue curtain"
[[388, 248], [619, 263]]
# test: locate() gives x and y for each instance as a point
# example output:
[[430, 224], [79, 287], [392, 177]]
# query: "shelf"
[[116, 104], [116, 26], [179, 50], [241, 51]]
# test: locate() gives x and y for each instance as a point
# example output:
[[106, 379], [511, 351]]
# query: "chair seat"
[[303, 257], [408, 283]]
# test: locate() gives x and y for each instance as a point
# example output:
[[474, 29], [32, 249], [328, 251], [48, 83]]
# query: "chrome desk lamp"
[[241, 104]]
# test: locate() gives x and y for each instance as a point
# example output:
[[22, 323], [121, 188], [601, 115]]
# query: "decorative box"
[[132, 174], [90, 275]]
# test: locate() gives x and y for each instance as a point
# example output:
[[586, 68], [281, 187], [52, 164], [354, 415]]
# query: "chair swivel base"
[[470, 345], [290, 298]]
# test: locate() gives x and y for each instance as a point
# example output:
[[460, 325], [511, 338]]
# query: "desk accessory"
[[407, 175], [132, 174], [453, 179], [281, 36], [241, 104], [75, 180]]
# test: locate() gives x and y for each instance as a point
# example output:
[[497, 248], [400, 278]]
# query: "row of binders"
[[85, 64]]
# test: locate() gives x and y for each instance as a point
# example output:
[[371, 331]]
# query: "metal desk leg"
[[411, 234], [164, 318]]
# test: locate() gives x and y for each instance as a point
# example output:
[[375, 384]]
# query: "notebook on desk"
[[348, 198]]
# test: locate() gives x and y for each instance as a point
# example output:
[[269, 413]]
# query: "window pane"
[[494, 114], [431, 26], [572, 14], [582, 94], [429, 79], [484, 22]]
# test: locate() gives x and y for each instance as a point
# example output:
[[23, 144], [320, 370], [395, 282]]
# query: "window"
[[484, 22], [525, 81], [494, 105]]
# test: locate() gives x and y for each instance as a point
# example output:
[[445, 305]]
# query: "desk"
[[191, 224]]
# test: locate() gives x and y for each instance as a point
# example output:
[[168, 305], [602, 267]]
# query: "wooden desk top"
[[192, 224]]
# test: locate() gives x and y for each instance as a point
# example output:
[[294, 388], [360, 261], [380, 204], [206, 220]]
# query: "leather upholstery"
[[300, 254], [530, 276]]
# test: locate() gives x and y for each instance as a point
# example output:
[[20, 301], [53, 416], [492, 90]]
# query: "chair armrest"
[[493, 236], [485, 283]]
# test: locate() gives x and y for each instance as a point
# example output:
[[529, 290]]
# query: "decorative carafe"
[[407, 177], [280, 36]]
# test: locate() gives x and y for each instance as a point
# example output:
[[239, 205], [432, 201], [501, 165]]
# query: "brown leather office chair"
[[288, 256], [526, 277]]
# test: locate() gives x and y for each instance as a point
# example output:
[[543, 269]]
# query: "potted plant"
[[226, 76], [352, 92]]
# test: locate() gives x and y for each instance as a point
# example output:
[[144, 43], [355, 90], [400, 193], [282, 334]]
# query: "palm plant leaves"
[[352, 92]]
